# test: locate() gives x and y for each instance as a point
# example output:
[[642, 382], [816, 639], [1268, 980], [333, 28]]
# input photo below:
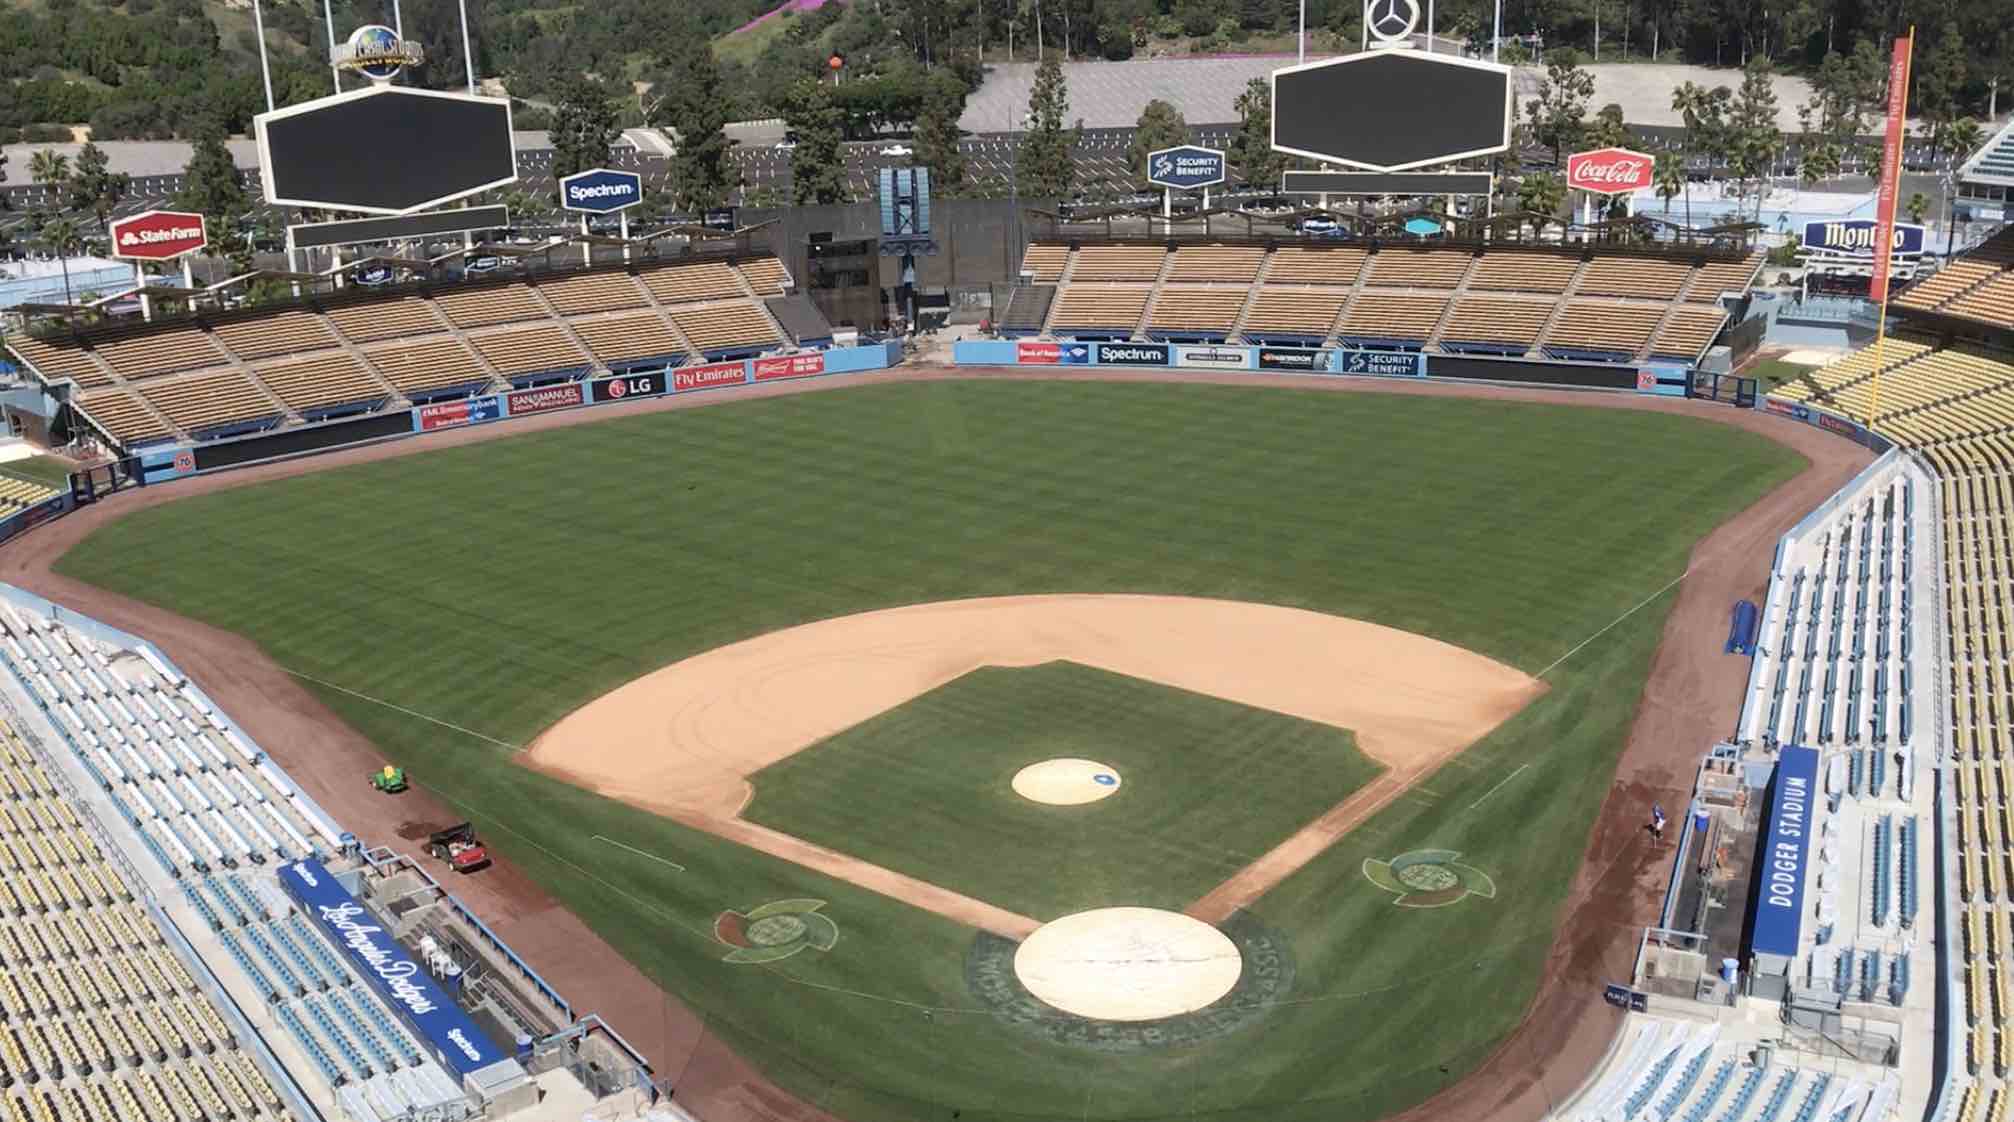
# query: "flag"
[[1891, 166]]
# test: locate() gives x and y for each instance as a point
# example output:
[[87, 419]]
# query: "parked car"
[[898, 150]]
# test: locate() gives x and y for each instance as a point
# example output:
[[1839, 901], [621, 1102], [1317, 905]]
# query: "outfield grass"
[[1516, 530], [1207, 785], [50, 471]]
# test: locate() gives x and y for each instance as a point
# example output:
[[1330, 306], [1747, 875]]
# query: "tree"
[[1044, 165], [96, 188], [817, 167], [1754, 141], [1704, 112], [48, 167], [1940, 83], [937, 133], [1917, 206], [1160, 126], [698, 110], [1559, 112], [1608, 130], [1541, 196], [1669, 175], [1252, 145], [584, 126], [1963, 137], [211, 185], [61, 237]]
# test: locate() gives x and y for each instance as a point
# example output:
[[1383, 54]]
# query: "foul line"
[[638, 852], [1612, 623], [400, 708], [1499, 786]]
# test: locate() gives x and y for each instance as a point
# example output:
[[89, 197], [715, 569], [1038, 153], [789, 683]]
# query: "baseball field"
[[925, 589]]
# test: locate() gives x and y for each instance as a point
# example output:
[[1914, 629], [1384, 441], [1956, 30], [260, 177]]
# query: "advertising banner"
[[1214, 358], [158, 235], [626, 387], [708, 376], [1779, 909], [451, 414], [1185, 167], [1609, 171], [1891, 164], [601, 191], [1855, 237], [1382, 364], [1130, 354], [1291, 358], [789, 366], [451, 1035], [543, 399]]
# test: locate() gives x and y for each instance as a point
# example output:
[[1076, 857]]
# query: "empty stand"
[[1107, 308], [1045, 263], [210, 401], [377, 319], [1419, 268], [624, 338], [1687, 331], [1715, 277], [1292, 264], [1118, 262], [1496, 321], [427, 364], [1237, 264], [144, 353], [529, 350], [765, 275], [1209, 310], [582, 293], [331, 379], [1386, 316], [1515, 270], [1589, 325], [60, 357], [1649, 278], [1306, 313], [699, 280], [124, 416], [479, 307], [263, 335], [725, 327]]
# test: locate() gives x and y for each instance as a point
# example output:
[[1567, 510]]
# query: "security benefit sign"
[[450, 1034], [626, 387], [601, 191], [1185, 167], [1382, 364]]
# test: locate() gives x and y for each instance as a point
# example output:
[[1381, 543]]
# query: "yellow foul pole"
[[1886, 189]]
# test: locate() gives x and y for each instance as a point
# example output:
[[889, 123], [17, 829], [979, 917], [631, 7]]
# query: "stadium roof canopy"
[[1993, 164]]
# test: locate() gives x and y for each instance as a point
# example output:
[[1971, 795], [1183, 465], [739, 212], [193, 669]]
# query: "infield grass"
[[1207, 785], [500, 585]]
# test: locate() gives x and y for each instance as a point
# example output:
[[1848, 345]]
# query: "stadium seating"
[[216, 400], [260, 335], [765, 275], [335, 378], [677, 284], [1236, 264], [1508, 325], [1715, 277], [530, 350], [1210, 311], [1951, 289], [61, 356], [1099, 308], [627, 338], [1687, 331], [1648, 278], [1418, 268], [1315, 265], [1294, 313], [1045, 263], [725, 327], [1603, 326], [1386, 317], [1520, 270], [580, 293], [376, 319], [1118, 262], [414, 367], [508, 302]]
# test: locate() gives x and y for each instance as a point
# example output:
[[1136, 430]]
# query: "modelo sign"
[[1855, 236], [158, 235], [1184, 167], [1609, 171], [601, 191]]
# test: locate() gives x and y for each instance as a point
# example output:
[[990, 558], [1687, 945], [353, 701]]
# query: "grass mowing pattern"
[[1516, 530], [1208, 785]]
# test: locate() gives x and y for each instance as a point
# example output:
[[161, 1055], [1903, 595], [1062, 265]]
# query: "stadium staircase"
[[658, 309], [1154, 296], [1349, 302], [1062, 279], [1448, 313], [1665, 320], [244, 370], [1251, 297], [1027, 308], [371, 368], [748, 290], [1545, 330], [544, 302]]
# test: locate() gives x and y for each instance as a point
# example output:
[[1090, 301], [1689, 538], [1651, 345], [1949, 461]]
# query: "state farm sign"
[[158, 235], [1609, 171]]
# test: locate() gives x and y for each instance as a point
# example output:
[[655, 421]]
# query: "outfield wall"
[[173, 461], [1830, 422], [1649, 378]]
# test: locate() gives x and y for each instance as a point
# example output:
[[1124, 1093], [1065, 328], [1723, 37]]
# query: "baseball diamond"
[[1339, 649]]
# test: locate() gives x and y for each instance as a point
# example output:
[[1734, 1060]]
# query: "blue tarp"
[[1741, 629], [450, 1034], [1786, 850]]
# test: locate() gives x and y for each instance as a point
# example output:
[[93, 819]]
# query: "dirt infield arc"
[[683, 740], [1690, 699]]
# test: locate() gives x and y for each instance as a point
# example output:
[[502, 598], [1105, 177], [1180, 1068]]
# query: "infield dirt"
[[1691, 698]]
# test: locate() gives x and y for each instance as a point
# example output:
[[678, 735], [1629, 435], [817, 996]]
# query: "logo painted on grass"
[[775, 931], [1429, 878]]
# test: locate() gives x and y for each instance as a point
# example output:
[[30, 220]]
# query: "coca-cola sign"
[[1609, 171], [158, 235]]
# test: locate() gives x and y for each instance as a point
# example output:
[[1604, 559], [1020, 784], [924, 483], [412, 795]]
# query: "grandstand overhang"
[[1993, 164]]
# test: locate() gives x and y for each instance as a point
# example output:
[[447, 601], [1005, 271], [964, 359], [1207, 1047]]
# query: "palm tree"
[[61, 236], [1961, 139], [1541, 196], [48, 166], [1669, 175]]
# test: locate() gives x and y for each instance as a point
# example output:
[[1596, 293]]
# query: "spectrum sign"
[[158, 235], [601, 191]]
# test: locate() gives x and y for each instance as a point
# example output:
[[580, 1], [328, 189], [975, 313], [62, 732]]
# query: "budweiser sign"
[[158, 235], [1608, 171]]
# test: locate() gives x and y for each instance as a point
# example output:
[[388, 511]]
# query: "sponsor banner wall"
[[450, 1034], [627, 387], [1798, 411], [1213, 358], [1666, 381], [453, 414], [789, 366], [544, 399], [1065, 353], [1306, 360], [31, 517], [867, 356], [1380, 364], [293, 442], [709, 376], [1786, 846]]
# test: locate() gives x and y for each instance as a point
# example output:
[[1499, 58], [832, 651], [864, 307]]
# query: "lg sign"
[[158, 235], [1608, 171]]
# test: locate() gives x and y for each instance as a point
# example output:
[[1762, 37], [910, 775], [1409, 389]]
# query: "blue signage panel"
[[1856, 236], [433, 1016], [1383, 364], [601, 190], [1185, 167], [1786, 850], [1128, 354]]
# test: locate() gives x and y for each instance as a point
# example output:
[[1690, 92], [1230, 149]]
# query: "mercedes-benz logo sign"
[[1391, 22]]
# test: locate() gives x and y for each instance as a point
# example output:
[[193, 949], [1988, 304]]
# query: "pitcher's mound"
[[1128, 964], [1066, 782]]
